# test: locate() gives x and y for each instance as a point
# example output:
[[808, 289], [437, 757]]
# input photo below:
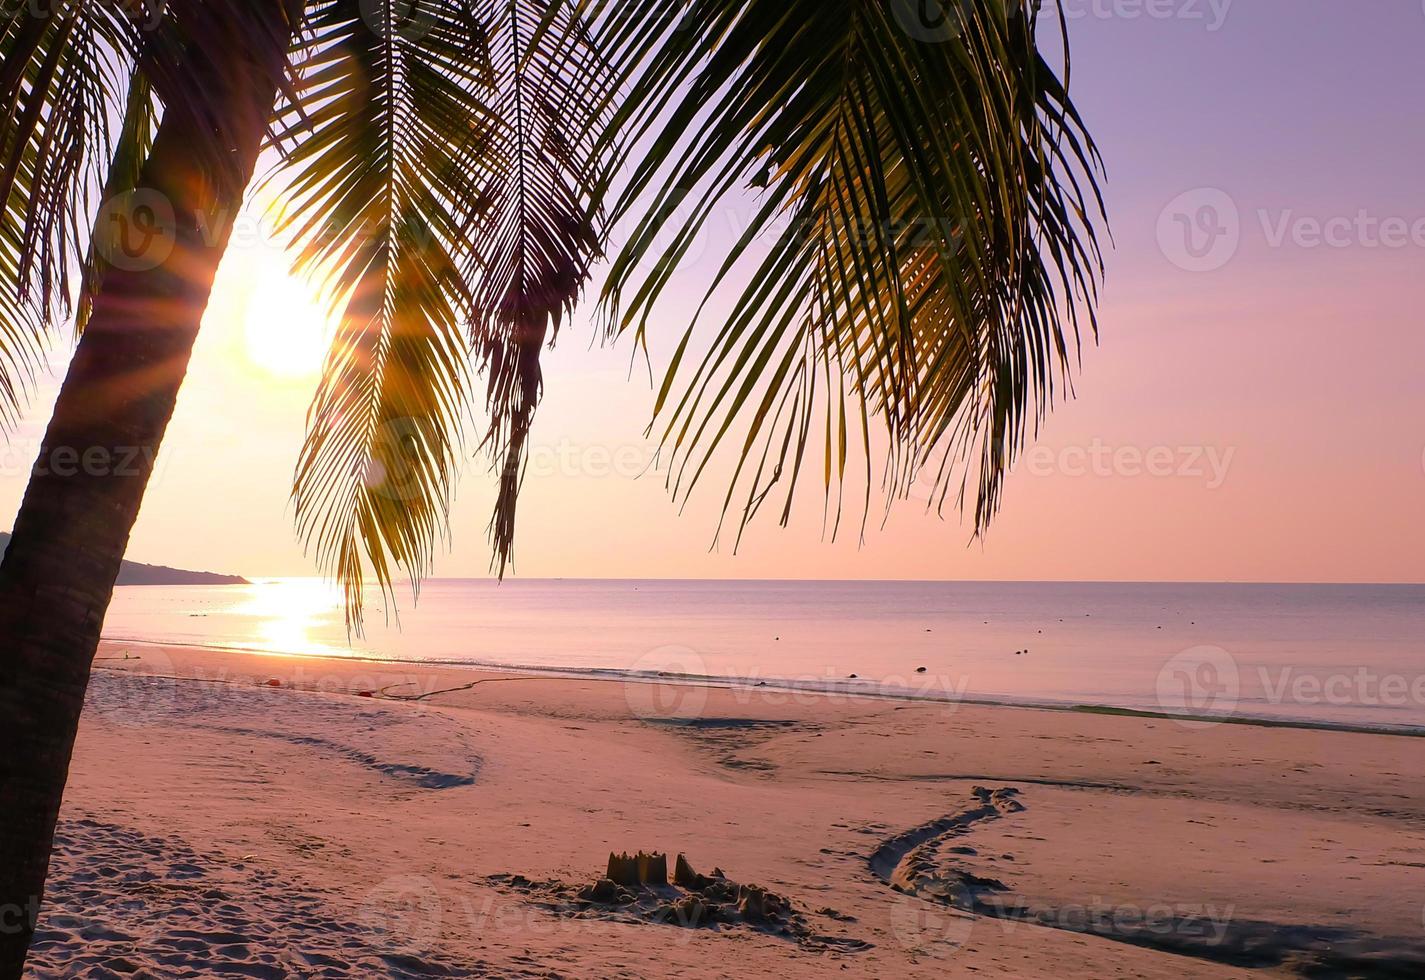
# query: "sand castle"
[[639, 884]]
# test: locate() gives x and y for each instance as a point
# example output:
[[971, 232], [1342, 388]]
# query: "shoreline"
[[825, 688]]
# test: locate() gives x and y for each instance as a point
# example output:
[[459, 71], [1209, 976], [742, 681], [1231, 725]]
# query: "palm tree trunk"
[[84, 493]]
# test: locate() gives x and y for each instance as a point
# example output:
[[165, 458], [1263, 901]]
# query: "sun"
[[286, 329]]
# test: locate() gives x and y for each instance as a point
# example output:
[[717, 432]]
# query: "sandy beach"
[[254, 816]]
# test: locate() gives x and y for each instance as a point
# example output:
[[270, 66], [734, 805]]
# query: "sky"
[[1253, 410]]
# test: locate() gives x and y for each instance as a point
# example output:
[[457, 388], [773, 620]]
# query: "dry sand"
[[217, 825]]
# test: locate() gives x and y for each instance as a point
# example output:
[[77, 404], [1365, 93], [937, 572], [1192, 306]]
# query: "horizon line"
[[514, 579]]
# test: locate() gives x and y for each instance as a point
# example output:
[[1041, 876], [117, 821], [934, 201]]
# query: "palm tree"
[[909, 287]]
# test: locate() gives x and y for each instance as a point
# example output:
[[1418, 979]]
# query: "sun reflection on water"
[[298, 615]]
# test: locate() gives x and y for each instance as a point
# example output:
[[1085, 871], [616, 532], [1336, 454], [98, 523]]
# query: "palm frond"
[[382, 185], [59, 71], [545, 226], [922, 247], [437, 179]]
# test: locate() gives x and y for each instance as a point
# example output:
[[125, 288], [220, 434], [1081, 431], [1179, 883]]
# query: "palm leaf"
[[545, 225], [58, 74], [926, 206], [436, 180], [387, 139]]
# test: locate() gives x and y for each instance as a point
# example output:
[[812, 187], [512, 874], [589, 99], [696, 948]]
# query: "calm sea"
[[1343, 654]]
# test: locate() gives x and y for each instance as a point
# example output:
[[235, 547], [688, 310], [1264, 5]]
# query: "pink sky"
[[1262, 419]]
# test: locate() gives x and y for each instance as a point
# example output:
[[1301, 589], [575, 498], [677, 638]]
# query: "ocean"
[[1351, 655]]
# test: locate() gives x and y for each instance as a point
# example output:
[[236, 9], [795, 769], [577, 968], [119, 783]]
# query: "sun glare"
[[285, 326], [291, 615]]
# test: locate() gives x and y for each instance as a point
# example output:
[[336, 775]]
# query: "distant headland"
[[137, 573]]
